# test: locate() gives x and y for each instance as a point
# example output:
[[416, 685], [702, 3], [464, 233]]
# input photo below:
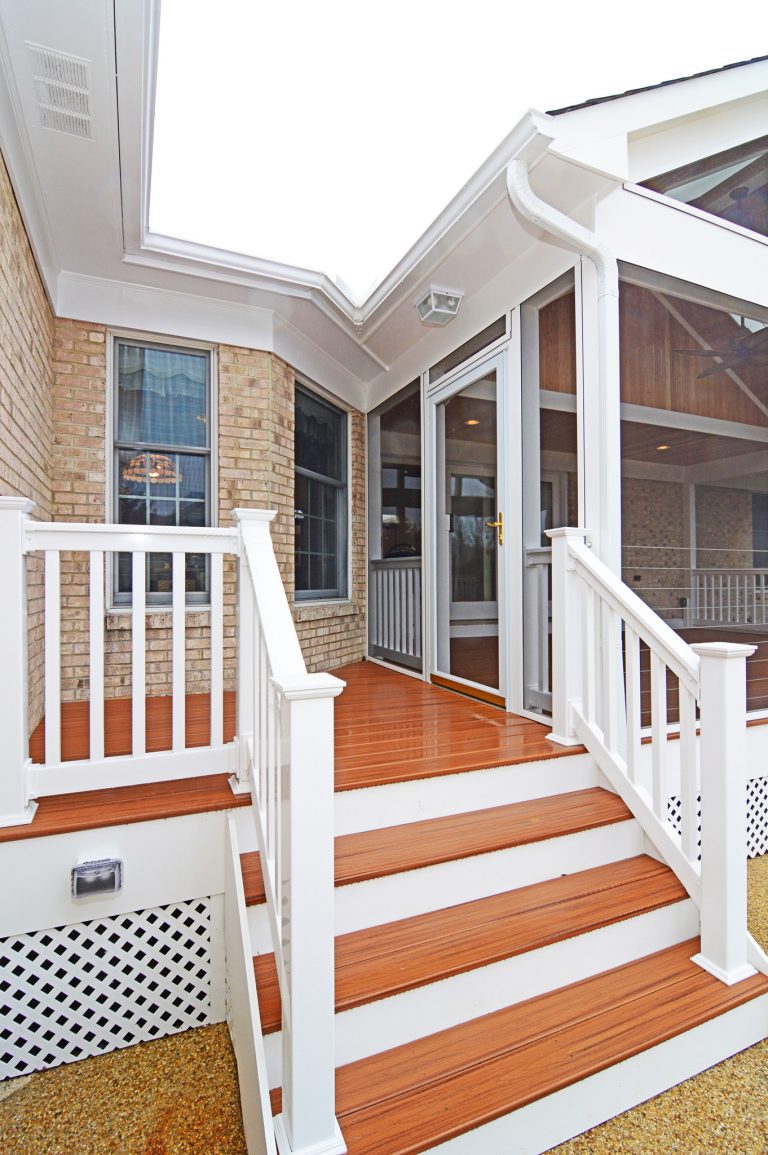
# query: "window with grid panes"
[[320, 498], [162, 456]]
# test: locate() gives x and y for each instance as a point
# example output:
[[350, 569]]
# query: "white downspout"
[[602, 457]]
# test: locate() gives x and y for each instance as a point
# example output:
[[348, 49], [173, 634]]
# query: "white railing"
[[537, 628], [597, 701], [93, 545], [395, 610], [736, 597], [285, 736]]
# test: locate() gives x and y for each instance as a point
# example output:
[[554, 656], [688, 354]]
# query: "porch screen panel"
[[550, 469], [694, 450], [395, 528]]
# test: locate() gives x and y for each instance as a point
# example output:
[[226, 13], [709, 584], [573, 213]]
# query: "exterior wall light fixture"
[[439, 306]]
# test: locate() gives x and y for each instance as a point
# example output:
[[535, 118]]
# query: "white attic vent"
[[62, 86]]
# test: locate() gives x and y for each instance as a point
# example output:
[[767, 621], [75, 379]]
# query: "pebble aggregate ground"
[[179, 1096]]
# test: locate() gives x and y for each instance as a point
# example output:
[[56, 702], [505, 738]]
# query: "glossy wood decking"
[[385, 960], [389, 728], [393, 728], [409, 1099]]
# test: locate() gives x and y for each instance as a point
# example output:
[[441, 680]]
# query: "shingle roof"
[[650, 87]]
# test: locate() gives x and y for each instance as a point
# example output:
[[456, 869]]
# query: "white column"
[[600, 406], [567, 638], [723, 703], [307, 1125], [15, 809]]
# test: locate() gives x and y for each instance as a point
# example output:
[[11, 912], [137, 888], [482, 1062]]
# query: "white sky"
[[329, 133]]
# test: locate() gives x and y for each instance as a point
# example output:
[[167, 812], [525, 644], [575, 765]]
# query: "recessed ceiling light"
[[472, 421], [660, 447]]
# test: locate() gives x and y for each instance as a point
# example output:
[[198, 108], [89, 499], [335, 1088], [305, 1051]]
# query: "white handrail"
[[285, 729], [598, 700]]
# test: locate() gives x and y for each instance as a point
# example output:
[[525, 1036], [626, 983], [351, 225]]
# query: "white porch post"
[[601, 417], [15, 809], [307, 1125], [567, 638], [723, 683]]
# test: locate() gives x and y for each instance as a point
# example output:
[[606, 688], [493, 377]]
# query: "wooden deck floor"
[[389, 728], [392, 728]]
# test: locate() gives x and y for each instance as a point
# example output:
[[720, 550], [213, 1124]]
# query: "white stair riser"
[[416, 1013], [401, 802], [396, 896], [245, 824], [558, 1117], [381, 900]]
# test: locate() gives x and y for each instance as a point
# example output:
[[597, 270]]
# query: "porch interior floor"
[[389, 727]]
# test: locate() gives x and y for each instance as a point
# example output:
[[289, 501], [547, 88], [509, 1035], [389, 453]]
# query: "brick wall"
[[255, 392], [26, 337], [654, 549], [723, 527]]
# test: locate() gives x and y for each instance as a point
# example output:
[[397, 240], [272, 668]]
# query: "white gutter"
[[601, 471]]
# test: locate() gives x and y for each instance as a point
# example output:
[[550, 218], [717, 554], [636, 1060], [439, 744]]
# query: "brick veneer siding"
[[254, 392], [26, 340], [653, 518]]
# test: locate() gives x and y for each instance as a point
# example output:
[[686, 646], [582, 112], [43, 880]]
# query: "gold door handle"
[[499, 525]]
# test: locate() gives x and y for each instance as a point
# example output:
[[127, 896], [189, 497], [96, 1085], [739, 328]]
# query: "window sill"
[[327, 607], [157, 617]]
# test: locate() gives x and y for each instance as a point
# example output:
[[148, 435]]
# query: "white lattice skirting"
[[757, 816], [90, 987]]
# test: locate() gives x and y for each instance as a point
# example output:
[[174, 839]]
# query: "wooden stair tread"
[[121, 805], [381, 961], [410, 1098], [392, 849]]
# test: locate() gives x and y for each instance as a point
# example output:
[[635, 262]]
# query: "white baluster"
[[723, 811], [247, 721], [217, 649], [632, 674], [689, 784], [658, 735], [52, 657], [179, 648], [138, 655], [96, 654]]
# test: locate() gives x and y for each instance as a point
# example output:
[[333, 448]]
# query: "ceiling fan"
[[750, 347]]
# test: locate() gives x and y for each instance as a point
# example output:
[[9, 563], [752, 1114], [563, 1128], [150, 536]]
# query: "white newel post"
[[15, 809], [723, 700], [307, 1125], [566, 636]]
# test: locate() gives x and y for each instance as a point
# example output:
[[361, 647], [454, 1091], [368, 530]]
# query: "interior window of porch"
[[320, 498], [162, 457]]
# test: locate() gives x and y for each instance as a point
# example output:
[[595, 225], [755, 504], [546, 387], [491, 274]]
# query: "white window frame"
[[160, 340]]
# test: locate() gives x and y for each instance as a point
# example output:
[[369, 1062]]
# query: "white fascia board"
[[641, 111], [17, 152], [605, 156], [653, 235], [150, 309], [137, 36], [668, 146]]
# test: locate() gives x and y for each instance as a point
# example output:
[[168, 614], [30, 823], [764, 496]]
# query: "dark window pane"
[[319, 437], [161, 396], [160, 573], [132, 511], [192, 513], [192, 476], [162, 513]]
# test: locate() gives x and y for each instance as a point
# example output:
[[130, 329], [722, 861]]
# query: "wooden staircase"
[[506, 976], [512, 957]]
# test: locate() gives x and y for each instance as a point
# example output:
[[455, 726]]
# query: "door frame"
[[441, 391]]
